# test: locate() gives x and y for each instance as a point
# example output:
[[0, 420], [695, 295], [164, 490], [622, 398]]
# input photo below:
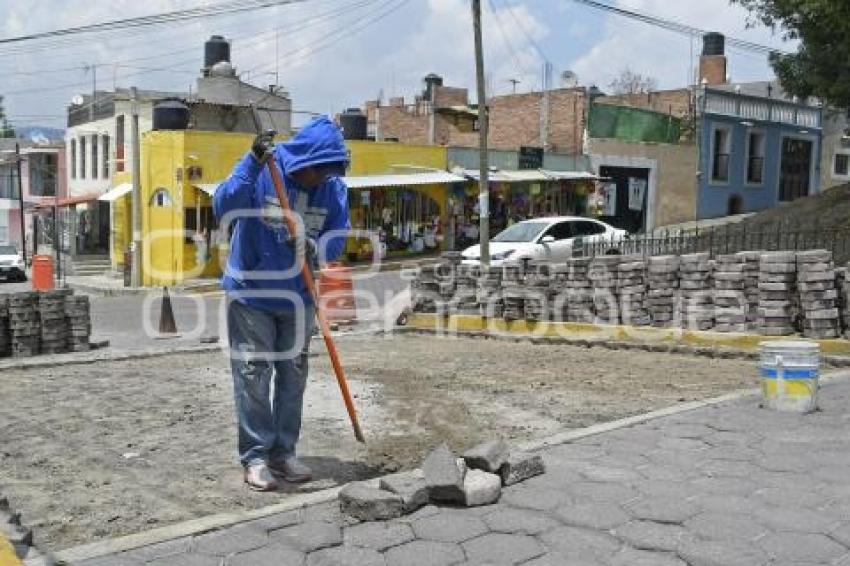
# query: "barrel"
[[42, 272], [336, 294], [790, 371]]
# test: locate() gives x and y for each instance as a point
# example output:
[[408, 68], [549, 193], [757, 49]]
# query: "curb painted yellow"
[[7, 553], [581, 331]]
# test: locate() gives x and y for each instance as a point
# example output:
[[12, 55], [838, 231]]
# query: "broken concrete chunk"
[[410, 486], [488, 456], [521, 466], [367, 503], [444, 475], [481, 488]]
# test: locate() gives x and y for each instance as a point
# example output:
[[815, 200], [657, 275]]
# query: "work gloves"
[[263, 147], [306, 247]]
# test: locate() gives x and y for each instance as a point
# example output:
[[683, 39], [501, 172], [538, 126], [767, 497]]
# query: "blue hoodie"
[[258, 243]]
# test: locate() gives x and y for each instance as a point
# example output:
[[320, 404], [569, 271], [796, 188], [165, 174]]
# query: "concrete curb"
[[212, 522], [91, 357], [191, 527]]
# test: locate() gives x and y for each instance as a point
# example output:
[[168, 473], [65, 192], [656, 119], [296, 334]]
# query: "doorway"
[[796, 169], [631, 197]]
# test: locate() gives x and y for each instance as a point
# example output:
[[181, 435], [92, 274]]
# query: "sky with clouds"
[[332, 54]]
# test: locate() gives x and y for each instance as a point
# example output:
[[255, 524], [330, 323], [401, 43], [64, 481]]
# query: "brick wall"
[[676, 102], [450, 96]]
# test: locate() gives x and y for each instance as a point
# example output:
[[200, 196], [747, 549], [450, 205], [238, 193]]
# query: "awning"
[[512, 176], [68, 201], [208, 188], [570, 175], [116, 192], [402, 180]]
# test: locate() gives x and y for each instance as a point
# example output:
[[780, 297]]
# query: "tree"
[[629, 82], [6, 129], [821, 65]]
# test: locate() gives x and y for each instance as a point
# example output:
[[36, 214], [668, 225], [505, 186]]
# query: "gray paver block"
[[801, 546], [662, 509], [410, 486], [518, 521], [481, 488], [187, 560], [578, 544], [600, 473], [842, 534], [488, 456], [269, 555], [309, 536], [540, 499], [785, 519], [648, 535], [344, 556], [378, 536], [367, 503], [424, 553], [593, 515], [443, 475], [114, 560], [633, 557], [276, 521], [521, 466], [230, 541], [167, 548], [725, 526], [500, 548], [721, 553], [449, 527]]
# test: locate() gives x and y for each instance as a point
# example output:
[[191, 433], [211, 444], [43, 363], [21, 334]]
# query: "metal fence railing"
[[726, 240]]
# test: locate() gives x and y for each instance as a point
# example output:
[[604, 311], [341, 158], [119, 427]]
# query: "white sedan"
[[544, 238]]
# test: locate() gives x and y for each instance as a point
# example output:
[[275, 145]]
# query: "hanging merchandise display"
[[609, 203], [637, 193]]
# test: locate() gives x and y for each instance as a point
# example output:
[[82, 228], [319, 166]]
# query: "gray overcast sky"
[[336, 53]]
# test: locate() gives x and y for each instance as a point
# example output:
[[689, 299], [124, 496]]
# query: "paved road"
[[130, 322], [726, 485]]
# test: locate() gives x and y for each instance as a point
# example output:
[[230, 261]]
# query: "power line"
[[677, 27]]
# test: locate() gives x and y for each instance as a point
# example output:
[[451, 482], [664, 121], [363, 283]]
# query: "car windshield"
[[8, 250], [522, 232]]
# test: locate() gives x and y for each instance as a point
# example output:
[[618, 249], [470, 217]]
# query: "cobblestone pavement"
[[727, 485]]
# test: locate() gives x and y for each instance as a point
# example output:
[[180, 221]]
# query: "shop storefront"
[[407, 213]]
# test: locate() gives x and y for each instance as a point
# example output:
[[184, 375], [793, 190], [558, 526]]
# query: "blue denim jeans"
[[266, 345]]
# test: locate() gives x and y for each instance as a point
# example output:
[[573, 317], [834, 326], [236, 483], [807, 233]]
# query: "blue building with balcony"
[[757, 148]]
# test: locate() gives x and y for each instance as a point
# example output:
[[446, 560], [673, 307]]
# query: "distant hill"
[[40, 133]]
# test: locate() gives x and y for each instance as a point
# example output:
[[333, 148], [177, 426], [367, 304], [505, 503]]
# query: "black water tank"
[[713, 43], [216, 49], [171, 115], [354, 124]]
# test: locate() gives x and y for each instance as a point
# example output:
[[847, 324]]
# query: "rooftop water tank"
[[713, 43], [171, 115], [216, 49], [354, 124]]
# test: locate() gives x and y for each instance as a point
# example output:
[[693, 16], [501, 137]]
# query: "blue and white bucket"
[[790, 372]]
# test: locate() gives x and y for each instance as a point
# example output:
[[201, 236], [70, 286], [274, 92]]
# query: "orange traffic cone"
[[167, 325]]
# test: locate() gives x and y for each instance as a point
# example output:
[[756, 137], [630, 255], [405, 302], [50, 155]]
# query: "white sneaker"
[[260, 478], [292, 470]]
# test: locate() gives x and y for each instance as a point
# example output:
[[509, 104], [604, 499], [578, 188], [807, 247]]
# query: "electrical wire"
[[519, 66]]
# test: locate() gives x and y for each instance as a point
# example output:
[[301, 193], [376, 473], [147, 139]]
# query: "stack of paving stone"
[[559, 304], [490, 301], [24, 324], [819, 308], [603, 276], [631, 291], [842, 284], [513, 291], [537, 290], [5, 333], [776, 311], [696, 291], [750, 272], [425, 289], [465, 299], [731, 306], [54, 325], [579, 291], [663, 294], [78, 319]]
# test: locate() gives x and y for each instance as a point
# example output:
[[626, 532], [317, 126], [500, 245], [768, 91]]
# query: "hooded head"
[[315, 153]]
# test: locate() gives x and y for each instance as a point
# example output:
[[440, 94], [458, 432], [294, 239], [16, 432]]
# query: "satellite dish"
[[77, 100]]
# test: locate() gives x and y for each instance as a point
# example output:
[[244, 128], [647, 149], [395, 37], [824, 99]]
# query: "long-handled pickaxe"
[[307, 276]]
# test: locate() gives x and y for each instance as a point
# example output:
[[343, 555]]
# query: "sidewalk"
[[722, 484]]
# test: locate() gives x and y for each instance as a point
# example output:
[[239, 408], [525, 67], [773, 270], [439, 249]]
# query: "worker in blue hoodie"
[[270, 314]]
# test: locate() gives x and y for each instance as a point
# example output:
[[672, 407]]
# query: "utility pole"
[[93, 68], [514, 82], [21, 203], [136, 251], [483, 165]]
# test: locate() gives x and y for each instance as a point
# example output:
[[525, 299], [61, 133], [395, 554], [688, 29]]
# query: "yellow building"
[[181, 170]]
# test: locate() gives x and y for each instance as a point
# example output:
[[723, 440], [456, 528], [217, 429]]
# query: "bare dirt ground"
[[106, 449]]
